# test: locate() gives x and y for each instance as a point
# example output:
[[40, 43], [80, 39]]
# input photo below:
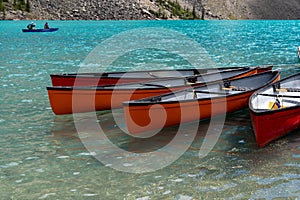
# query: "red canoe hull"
[[269, 126], [138, 117], [142, 117], [77, 101], [93, 81], [100, 79], [68, 100], [113, 78], [275, 109]]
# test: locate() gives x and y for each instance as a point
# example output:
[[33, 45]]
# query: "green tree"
[[194, 11], [27, 8], [1, 6], [4, 13]]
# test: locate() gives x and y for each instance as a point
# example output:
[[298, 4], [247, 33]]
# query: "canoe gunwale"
[[261, 112], [106, 74], [195, 70], [151, 100], [140, 103]]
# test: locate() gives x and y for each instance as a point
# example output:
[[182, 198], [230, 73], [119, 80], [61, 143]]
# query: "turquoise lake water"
[[42, 156]]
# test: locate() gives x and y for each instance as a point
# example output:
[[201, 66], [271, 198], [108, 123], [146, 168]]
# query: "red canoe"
[[275, 110], [67, 100], [110, 78], [193, 104]]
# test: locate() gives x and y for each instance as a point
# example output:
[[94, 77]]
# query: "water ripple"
[[42, 157]]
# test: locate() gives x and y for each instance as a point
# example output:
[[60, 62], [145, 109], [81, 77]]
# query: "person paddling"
[[46, 26], [31, 26]]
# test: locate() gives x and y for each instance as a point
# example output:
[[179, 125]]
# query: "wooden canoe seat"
[[227, 86], [288, 90], [208, 92], [235, 88]]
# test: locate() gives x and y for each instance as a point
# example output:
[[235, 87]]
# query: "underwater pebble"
[[88, 154], [26, 101], [12, 164], [143, 198], [127, 164], [242, 142], [40, 170], [46, 195], [62, 157], [89, 195], [177, 180], [31, 158], [167, 192], [183, 197]]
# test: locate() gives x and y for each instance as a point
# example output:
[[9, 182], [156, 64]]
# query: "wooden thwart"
[[235, 88], [288, 90]]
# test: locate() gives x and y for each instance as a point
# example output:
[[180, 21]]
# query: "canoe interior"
[[220, 89], [116, 78], [165, 83], [201, 102], [177, 82], [156, 74], [284, 94]]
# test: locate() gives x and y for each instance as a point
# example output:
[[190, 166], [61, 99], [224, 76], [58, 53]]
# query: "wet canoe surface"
[[275, 110]]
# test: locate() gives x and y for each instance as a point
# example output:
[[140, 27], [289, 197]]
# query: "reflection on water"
[[234, 169]]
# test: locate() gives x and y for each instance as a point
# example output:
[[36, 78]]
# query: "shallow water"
[[42, 156]]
